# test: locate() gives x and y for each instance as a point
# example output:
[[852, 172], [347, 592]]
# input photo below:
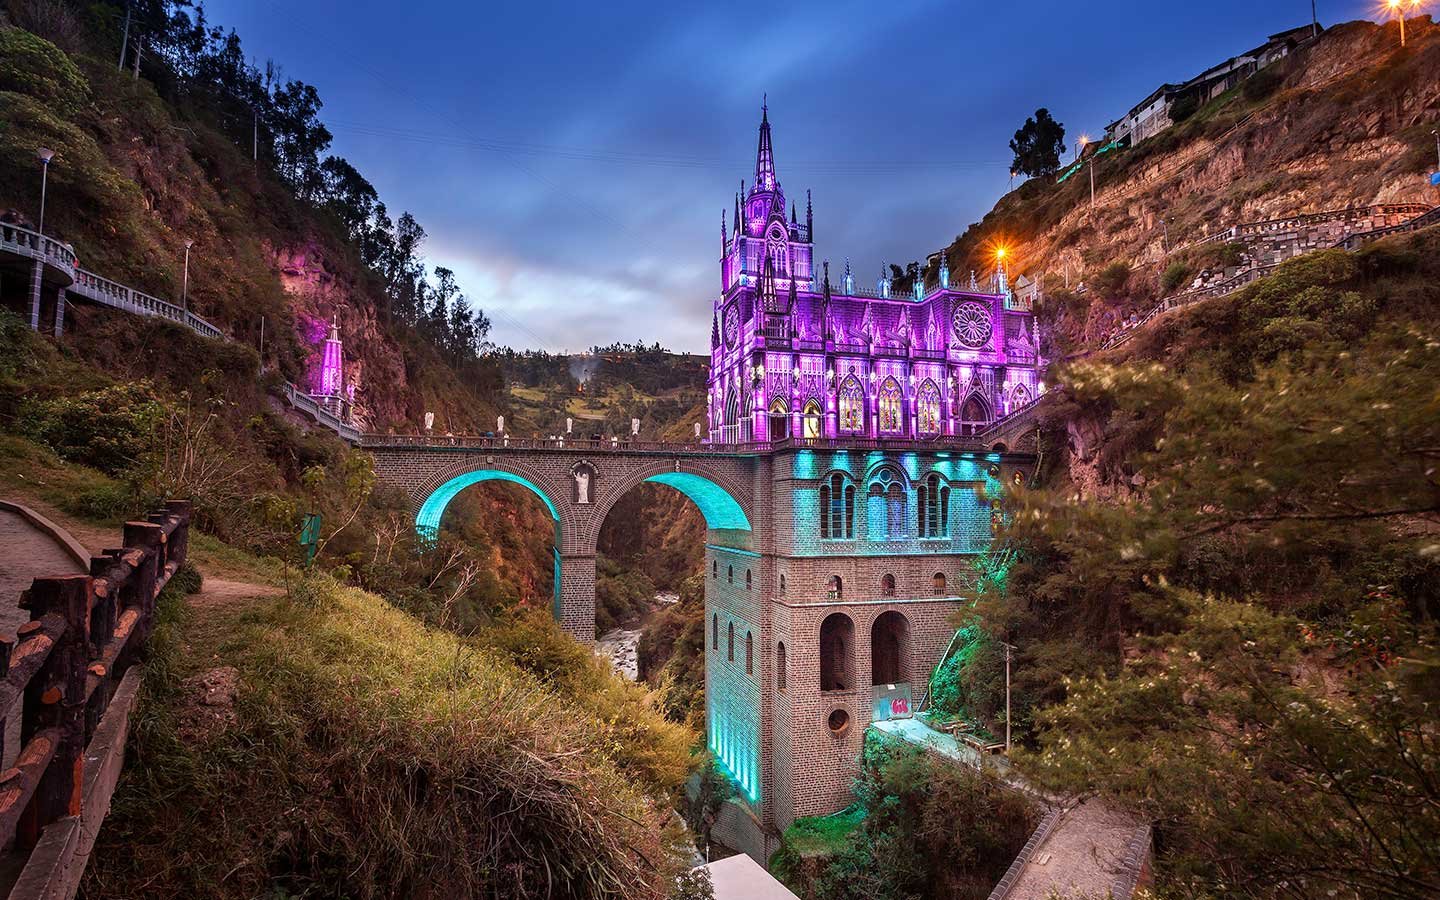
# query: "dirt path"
[[1082, 857]]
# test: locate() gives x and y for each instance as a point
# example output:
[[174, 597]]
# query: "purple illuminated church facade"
[[802, 356]]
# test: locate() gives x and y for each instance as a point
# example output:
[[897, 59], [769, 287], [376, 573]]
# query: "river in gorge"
[[622, 645]]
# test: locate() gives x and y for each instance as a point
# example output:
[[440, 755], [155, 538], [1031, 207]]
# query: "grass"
[[373, 756], [823, 835]]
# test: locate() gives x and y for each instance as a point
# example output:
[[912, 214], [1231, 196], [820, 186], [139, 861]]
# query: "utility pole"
[[1436, 133], [254, 134], [124, 40], [1314, 21], [185, 283], [139, 49], [1008, 648]]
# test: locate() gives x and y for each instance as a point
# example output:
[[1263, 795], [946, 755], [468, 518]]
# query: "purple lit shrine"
[[797, 358]]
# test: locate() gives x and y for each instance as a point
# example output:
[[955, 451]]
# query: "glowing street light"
[[45, 154], [1397, 9]]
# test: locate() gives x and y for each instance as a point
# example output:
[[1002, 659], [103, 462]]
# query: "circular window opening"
[[839, 722]]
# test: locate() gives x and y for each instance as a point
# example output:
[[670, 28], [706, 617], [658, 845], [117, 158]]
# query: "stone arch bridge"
[[580, 481]]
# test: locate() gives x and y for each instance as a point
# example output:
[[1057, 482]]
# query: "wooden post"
[[56, 698], [149, 538], [6, 646], [180, 537]]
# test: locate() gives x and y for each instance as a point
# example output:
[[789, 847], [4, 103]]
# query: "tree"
[[1038, 144]]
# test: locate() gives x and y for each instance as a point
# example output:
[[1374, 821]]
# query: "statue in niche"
[[584, 483]]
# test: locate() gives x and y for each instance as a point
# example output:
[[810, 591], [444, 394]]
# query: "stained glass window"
[[852, 405], [890, 402], [928, 408]]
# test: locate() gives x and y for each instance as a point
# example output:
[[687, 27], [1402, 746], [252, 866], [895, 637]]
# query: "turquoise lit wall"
[[427, 521], [968, 473], [720, 510]]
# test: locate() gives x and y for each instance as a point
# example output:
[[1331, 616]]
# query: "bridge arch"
[[726, 506]]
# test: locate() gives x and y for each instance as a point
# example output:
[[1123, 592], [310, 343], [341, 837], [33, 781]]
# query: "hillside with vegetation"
[[1345, 121], [498, 757], [1223, 586]]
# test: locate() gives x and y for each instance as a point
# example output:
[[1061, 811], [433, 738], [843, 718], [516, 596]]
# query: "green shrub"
[[1176, 274], [187, 579], [32, 65], [1110, 281], [1184, 108], [105, 502], [108, 429]]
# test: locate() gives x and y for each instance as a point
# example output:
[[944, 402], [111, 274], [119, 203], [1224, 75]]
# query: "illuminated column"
[[331, 363]]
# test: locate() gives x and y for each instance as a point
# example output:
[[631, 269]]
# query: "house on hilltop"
[[1154, 114]]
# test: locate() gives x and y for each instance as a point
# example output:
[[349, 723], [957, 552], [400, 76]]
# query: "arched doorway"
[[837, 653], [890, 649], [974, 414], [779, 419]]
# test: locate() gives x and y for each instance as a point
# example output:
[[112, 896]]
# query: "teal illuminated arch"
[[427, 521], [716, 505]]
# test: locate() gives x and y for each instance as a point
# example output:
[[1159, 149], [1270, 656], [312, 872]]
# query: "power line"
[[620, 157]]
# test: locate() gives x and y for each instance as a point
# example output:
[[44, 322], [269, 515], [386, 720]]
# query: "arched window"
[[837, 508], [974, 414], [937, 584], [887, 585], [852, 406], [714, 631], [779, 419], [927, 407], [933, 497], [730, 644], [837, 640], [836, 588], [889, 648], [730, 574], [749, 584], [714, 568], [892, 418], [749, 650], [812, 419], [732, 407], [1019, 397], [780, 665], [782, 584], [885, 516]]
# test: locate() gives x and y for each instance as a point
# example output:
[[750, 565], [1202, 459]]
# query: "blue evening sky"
[[570, 161]]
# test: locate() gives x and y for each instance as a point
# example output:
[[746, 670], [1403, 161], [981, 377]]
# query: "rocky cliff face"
[[374, 363], [1343, 122]]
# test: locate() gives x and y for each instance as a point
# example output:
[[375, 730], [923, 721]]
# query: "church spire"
[[809, 219], [765, 155]]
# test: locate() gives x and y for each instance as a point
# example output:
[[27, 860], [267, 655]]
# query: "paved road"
[[25, 554], [1082, 857]]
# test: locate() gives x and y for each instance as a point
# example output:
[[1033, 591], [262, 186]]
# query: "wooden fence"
[[71, 669]]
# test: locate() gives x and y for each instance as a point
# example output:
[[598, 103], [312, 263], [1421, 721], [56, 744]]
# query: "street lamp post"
[[45, 154], [1166, 223], [1436, 135], [1397, 9], [185, 281]]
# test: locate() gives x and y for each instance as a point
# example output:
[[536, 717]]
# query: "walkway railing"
[[24, 242], [1426, 216], [28, 243], [72, 665]]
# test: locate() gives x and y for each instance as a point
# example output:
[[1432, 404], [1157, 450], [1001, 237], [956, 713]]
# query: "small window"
[[730, 574], [839, 722], [887, 586], [938, 583], [780, 665], [749, 583], [730, 646], [837, 588], [782, 584], [714, 568], [714, 631], [749, 649]]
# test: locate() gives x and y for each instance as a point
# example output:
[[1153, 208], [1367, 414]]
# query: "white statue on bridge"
[[582, 487]]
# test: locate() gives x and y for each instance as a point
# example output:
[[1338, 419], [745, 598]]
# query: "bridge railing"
[[70, 667], [114, 294], [26, 242]]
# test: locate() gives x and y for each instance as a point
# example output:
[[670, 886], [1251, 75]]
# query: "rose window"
[[972, 324]]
